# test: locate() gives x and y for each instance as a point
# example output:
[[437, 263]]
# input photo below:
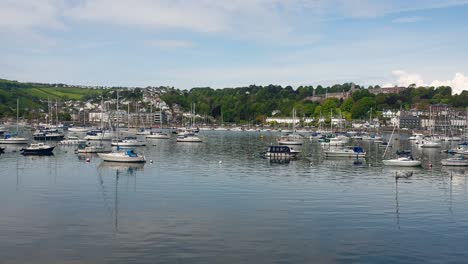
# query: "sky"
[[221, 43]]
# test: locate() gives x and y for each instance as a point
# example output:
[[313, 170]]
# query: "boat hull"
[[158, 137], [113, 158], [399, 163], [455, 163], [344, 155], [39, 152], [14, 141]]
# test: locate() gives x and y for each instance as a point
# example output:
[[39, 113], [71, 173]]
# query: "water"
[[187, 207]]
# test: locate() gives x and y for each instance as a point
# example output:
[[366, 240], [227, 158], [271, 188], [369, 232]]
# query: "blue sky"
[[190, 43]]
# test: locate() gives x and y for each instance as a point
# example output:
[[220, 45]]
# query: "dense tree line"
[[242, 104]]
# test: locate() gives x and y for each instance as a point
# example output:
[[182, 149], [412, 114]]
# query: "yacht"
[[158, 135], [188, 137], [92, 149], [72, 140], [37, 149], [128, 142], [334, 142], [48, 135], [455, 161], [123, 156], [291, 139], [280, 152], [429, 144], [402, 161], [98, 135], [12, 139], [143, 132], [350, 152], [78, 129], [416, 136]]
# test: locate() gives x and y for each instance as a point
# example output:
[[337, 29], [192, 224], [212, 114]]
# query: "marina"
[[176, 199]]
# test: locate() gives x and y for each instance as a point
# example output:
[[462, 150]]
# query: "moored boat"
[[189, 137], [349, 152], [158, 135], [12, 139], [37, 149], [455, 161], [280, 152], [405, 161], [92, 149], [128, 142], [122, 156]]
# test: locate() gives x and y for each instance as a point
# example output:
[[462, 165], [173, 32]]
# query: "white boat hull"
[[128, 144], [190, 140], [112, 157], [14, 141], [158, 137], [344, 154], [395, 162]]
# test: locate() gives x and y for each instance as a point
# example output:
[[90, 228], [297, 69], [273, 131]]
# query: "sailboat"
[[13, 138], [159, 134], [431, 142], [189, 134], [293, 138], [404, 159]]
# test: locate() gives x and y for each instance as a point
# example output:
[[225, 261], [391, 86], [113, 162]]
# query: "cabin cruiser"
[[350, 152], [122, 156], [158, 135], [280, 152], [12, 139], [129, 142], [98, 135], [330, 142], [72, 140], [188, 137], [48, 134], [37, 149], [455, 161]]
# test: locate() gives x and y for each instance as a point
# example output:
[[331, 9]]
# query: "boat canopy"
[[358, 150], [131, 153], [279, 149]]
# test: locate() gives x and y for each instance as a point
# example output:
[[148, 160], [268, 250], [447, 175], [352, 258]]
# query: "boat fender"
[[220, 162], [88, 160], [151, 161], [430, 165]]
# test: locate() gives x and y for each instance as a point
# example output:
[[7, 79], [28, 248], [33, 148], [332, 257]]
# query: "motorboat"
[[455, 161], [403, 161], [47, 135], [189, 137], [98, 135], [92, 149], [37, 149], [72, 140], [2, 150], [349, 152], [280, 152], [416, 136], [129, 142], [330, 142], [429, 144], [143, 132], [13, 139], [123, 156], [291, 139], [78, 129], [384, 145], [158, 135]]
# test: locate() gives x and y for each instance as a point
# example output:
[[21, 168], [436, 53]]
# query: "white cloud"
[[169, 43], [411, 19], [25, 15], [458, 83]]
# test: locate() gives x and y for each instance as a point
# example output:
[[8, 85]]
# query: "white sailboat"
[[402, 161], [14, 139], [293, 138], [431, 142], [189, 135]]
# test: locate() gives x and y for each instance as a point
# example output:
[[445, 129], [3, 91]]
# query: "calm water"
[[187, 207]]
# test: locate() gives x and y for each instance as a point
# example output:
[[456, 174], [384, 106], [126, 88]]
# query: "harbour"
[[220, 199]]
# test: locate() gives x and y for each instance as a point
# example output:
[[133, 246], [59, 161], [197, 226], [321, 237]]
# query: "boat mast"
[[102, 112], [389, 141], [17, 115]]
